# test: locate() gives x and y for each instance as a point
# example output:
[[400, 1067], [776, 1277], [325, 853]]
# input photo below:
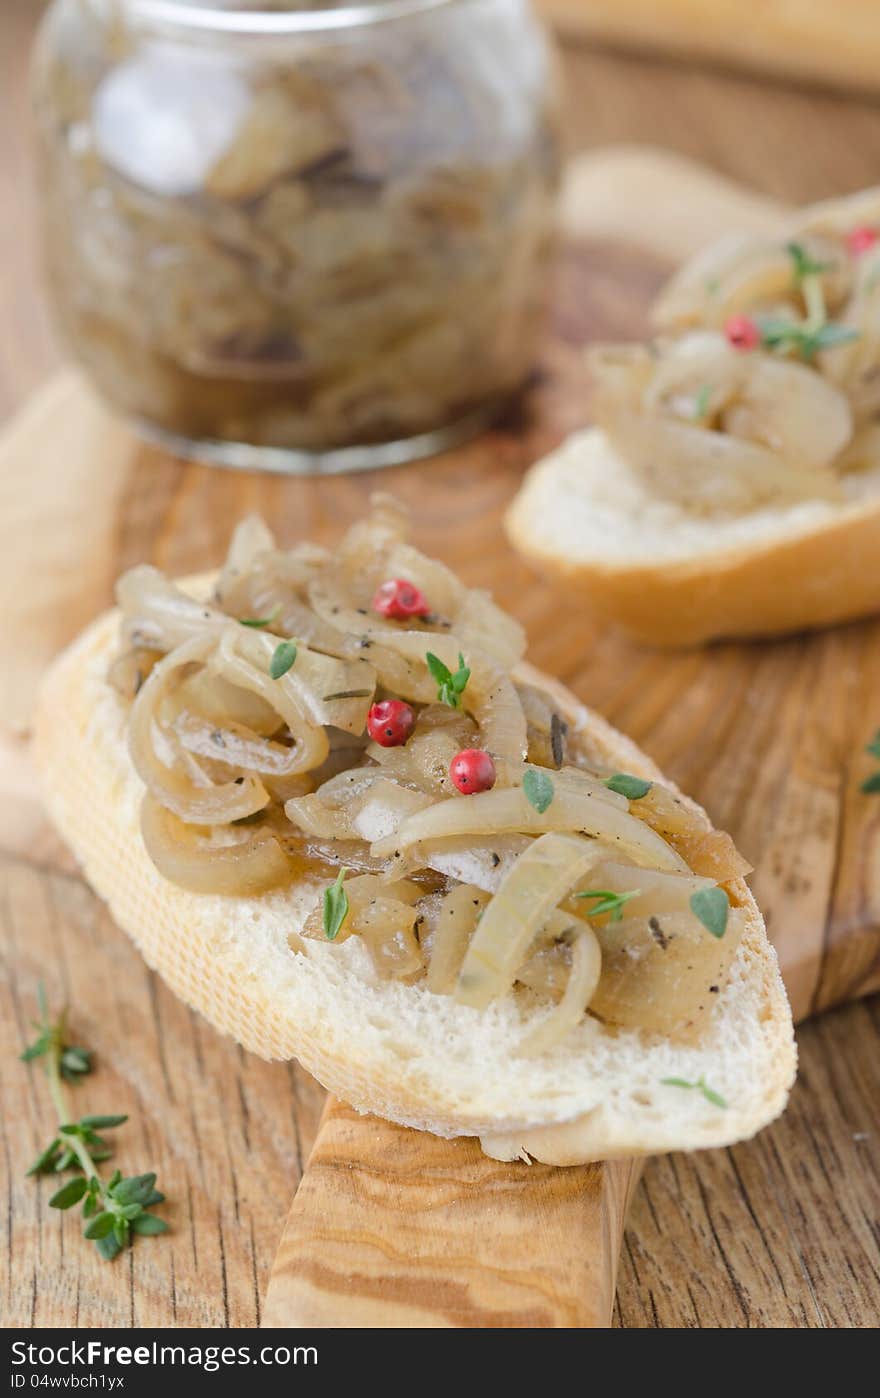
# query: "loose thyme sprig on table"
[[114, 1209]]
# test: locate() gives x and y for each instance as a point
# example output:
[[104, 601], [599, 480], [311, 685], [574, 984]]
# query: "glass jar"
[[298, 238]]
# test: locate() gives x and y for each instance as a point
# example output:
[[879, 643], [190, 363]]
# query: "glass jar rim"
[[215, 19]]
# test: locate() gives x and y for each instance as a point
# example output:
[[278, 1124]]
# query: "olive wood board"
[[836, 44], [391, 1227]]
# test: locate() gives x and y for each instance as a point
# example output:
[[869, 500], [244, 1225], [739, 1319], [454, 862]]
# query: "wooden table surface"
[[781, 1231]]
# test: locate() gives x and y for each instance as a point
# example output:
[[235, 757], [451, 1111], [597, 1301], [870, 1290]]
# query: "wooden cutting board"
[[390, 1227], [838, 43]]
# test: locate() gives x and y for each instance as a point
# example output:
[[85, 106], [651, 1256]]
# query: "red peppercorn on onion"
[[473, 770]]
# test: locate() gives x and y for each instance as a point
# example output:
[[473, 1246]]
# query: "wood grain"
[[837, 44], [226, 1133], [391, 1227], [778, 1231], [66, 520]]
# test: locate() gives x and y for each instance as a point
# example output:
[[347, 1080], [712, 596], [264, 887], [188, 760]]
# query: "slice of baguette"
[[388, 1048], [670, 578]]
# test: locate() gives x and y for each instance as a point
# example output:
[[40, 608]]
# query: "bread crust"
[[820, 577], [363, 1042]]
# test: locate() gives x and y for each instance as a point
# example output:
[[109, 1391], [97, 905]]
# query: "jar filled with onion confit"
[[295, 235]]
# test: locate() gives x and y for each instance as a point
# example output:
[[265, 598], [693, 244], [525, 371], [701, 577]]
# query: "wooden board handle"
[[397, 1228]]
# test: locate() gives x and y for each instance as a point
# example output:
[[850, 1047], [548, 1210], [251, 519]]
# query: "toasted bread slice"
[[393, 1049], [670, 578]]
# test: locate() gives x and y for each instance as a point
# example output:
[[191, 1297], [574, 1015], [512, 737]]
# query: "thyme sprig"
[[283, 658], [816, 332], [335, 907], [625, 784], [805, 337], [804, 264], [118, 1208], [73, 1062], [712, 907], [702, 401], [538, 789], [450, 684], [260, 622], [608, 901]]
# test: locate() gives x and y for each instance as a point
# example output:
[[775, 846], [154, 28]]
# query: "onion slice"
[[220, 702], [243, 658], [362, 804], [250, 538], [586, 967], [650, 891], [243, 869], [495, 812], [158, 614], [457, 917], [317, 690], [658, 971], [713, 854], [203, 804], [484, 629], [577, 781], [482, 865], [234, 745], [541, 877]]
